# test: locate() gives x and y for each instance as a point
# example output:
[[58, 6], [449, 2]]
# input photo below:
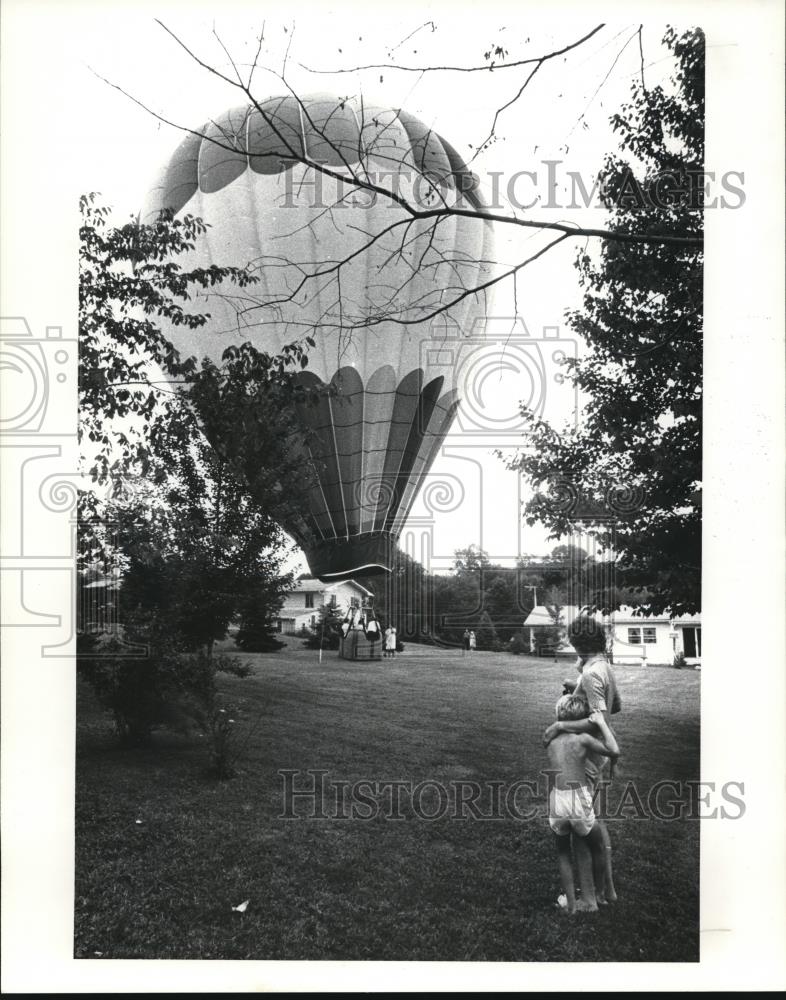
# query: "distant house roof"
[[310, 585], [540, 616]]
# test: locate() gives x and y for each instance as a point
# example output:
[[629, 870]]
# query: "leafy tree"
[[135, 412], [501, 604], [193, 523], [471, 560], [571, 555], [128, 281], [458, 602], [486, 635], [631, 473]]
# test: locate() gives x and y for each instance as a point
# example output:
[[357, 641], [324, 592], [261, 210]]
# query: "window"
[[309, 600], [354, 602], [332, 600], [637, 635], [279, 625]]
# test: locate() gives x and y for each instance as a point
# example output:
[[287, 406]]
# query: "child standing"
[[570, 799]]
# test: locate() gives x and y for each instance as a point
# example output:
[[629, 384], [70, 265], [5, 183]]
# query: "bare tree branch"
[[641, 58], [460, 69], [410, 246], [603, 81], [499, 111]]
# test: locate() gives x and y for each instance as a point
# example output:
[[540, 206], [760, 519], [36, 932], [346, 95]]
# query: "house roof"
[[625, 615], [310, 585], [540, 616]]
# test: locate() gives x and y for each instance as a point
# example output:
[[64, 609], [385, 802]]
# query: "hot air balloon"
[[353, 269]]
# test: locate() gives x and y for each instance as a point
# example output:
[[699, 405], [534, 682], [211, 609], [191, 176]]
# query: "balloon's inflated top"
[[392, 300]]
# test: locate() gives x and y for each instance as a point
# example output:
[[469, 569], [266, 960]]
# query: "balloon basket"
[[355, 646]]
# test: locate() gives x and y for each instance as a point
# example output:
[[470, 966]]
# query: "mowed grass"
[[409, 889]]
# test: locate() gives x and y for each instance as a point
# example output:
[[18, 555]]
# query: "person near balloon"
[[371, 628], [390, 641], [472, 641]]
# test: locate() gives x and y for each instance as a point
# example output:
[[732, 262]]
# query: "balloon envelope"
[[356, 271]]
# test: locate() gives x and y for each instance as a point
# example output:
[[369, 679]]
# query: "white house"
[[301, 606], [656, 640]]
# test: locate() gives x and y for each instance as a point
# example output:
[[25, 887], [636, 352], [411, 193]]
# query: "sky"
[[558, 127]]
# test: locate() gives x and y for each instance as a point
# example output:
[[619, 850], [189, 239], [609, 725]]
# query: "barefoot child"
[[570, 799], [598, 687]]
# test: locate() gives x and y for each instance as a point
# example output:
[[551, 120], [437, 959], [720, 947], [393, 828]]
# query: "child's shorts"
[[571, 809]]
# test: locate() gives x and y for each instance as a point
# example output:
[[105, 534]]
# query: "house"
[[655, 640], [301, 605]]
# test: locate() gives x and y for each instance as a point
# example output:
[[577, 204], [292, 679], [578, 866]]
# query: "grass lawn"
[[408, 889]]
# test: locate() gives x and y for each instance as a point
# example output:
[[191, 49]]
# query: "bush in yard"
[[518, 644], [546, 637], [143, 691], [679, 661]]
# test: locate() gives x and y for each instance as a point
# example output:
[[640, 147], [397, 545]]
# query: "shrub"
[[257, 636], [518, 644], [679, 661], [161, 688], [143, 687], [547, 637]]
